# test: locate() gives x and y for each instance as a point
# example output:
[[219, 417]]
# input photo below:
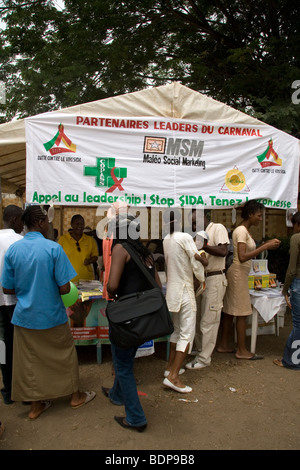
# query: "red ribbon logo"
[[117, 182], [60, 136]]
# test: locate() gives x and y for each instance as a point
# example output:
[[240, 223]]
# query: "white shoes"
[[167, 372], [194, 365], [169, 384]]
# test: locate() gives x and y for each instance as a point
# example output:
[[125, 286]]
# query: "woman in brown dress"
[[237, 298]]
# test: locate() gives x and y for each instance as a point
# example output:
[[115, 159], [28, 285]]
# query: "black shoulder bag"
[[139, 317]]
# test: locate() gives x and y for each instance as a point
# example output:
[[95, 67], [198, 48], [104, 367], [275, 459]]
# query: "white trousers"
[[184, 324], [209, 308]]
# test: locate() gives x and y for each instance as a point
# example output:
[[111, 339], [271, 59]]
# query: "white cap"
[[203, 234]]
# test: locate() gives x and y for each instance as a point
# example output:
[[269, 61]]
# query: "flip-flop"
[[278, 362], [89, 397], [255, 357], [47, 405]]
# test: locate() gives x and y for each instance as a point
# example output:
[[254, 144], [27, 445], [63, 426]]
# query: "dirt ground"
[[235, 405]]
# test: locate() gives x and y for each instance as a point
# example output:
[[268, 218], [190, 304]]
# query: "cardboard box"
[[261, 281], [272, 280], [251, 282], [257, 282], [265, 281]]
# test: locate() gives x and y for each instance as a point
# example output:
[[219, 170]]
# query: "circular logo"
[[235, 180]]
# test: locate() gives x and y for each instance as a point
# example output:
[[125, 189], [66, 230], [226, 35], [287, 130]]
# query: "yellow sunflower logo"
[[235, 180]]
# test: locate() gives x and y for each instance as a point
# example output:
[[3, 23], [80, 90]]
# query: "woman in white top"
[[237, 298]]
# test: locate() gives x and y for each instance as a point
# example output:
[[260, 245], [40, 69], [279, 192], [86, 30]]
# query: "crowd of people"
[[41, 360]]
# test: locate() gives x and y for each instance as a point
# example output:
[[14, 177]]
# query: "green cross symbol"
[[102, 171]]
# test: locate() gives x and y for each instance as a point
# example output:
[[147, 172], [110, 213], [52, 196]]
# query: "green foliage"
[[245, 54]]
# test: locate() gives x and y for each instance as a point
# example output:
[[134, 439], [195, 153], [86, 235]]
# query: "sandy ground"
[[235, 404]]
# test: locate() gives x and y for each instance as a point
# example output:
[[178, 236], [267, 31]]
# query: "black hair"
[[251, 207], [76, 216], [296, 218], [11, 211], [32, 215], [125, 229]]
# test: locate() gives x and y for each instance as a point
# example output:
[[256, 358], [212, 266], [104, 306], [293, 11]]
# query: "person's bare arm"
[[65, 289], [218, 250], [157, 278], [246, 256], [91, 260], [202, 258], [119, 257], [9, 291]]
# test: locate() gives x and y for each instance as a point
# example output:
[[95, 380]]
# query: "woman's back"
[[132, 279], [35, 269]]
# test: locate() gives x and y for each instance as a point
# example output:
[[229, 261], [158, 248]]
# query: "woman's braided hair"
[[32, 215]]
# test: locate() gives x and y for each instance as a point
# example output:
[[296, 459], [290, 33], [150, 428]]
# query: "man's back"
[[181, 266], [176, 251]]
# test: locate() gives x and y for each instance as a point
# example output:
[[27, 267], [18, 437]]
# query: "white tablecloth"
[[268, 302]]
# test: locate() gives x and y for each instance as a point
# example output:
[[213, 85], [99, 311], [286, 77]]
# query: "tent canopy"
[[173, 101]]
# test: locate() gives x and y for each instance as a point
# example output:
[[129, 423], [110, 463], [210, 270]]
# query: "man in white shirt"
[[182, 263], [210, 303], [12, 227]]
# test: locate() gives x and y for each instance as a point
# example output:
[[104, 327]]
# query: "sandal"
[[89, 397], [278, 362], [255, 357], [47, 405]]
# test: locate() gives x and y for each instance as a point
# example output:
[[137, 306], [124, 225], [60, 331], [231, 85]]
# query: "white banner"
[[158, 162]]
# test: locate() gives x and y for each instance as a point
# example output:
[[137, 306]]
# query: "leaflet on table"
[[85, 284], [90, 295], [90, 289]]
